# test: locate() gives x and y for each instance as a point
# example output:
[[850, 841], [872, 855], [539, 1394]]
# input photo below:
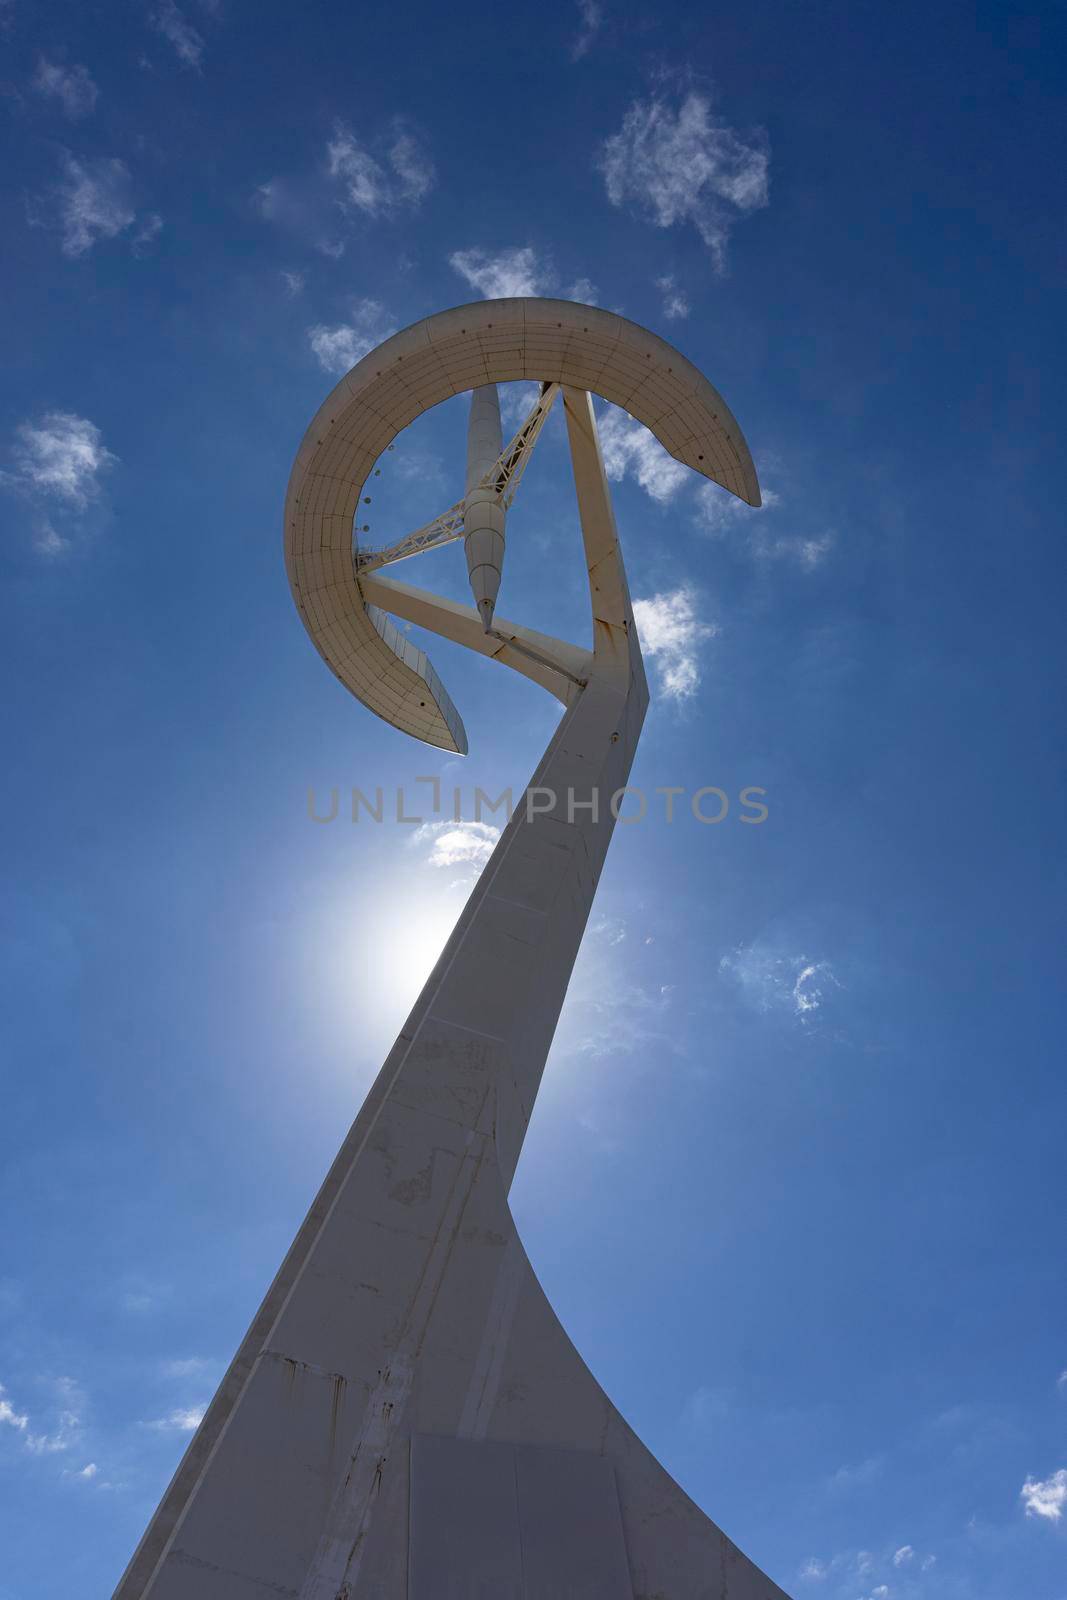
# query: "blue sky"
[[831, 1043]]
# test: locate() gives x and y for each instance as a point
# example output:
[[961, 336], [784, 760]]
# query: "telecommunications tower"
[[406, 1418]]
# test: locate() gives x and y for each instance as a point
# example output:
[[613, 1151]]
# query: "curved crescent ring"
[[492, 341]]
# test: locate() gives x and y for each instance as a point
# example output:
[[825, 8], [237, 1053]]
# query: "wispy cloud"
[[414, 171], [584, 290], [723, 515], [772, 979], [185, 1367], [175, 27], [148, 231], [141, 1298], [339, 347], [71, 86], [904, 1556], [1061, 1382], [456, 844], [515, 272], [620, 1019], [403, 176], [1046, 1497], [184, 1419], [294, 283], [719, 512], [706, 1406], [854, 1474], [58, 458], [814, 1570], [9, 1416], [675, 300], [672, 635], [68, 1409], [517, 400], [682, 164], [356, 180], [91, 201], [630, 450], [591, 13], [303, 209]]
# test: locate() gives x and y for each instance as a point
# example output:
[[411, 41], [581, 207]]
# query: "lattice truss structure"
[[502, 479]]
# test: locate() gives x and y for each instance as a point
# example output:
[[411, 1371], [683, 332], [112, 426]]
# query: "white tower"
[[406, 1419]]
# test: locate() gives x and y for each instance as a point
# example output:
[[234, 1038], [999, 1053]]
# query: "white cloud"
[[903, 1556], [67, 1429], [517, 400], [629, 448], [61, 457], [48, 542], [142, 1298], [340, 347], [772, 979], [671, 634], [706, 1406], [294, 283], [814, 1570], [809, 552], [185, 1367], [718, 511], [584, 290], [149, 231], [270, 200], [185, 1419], [860, 1472], [91, 201], [1046, 1498], [721, 514], [616, 1019], [71, 1404], [514, 272], [454, 844], [364, 181], [14, 1419], [178, 31], [71, 86], [367, 184], [591, 13], [1061, 1382], [354, 182], [414, 170], [685, 166], [675, 300]]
